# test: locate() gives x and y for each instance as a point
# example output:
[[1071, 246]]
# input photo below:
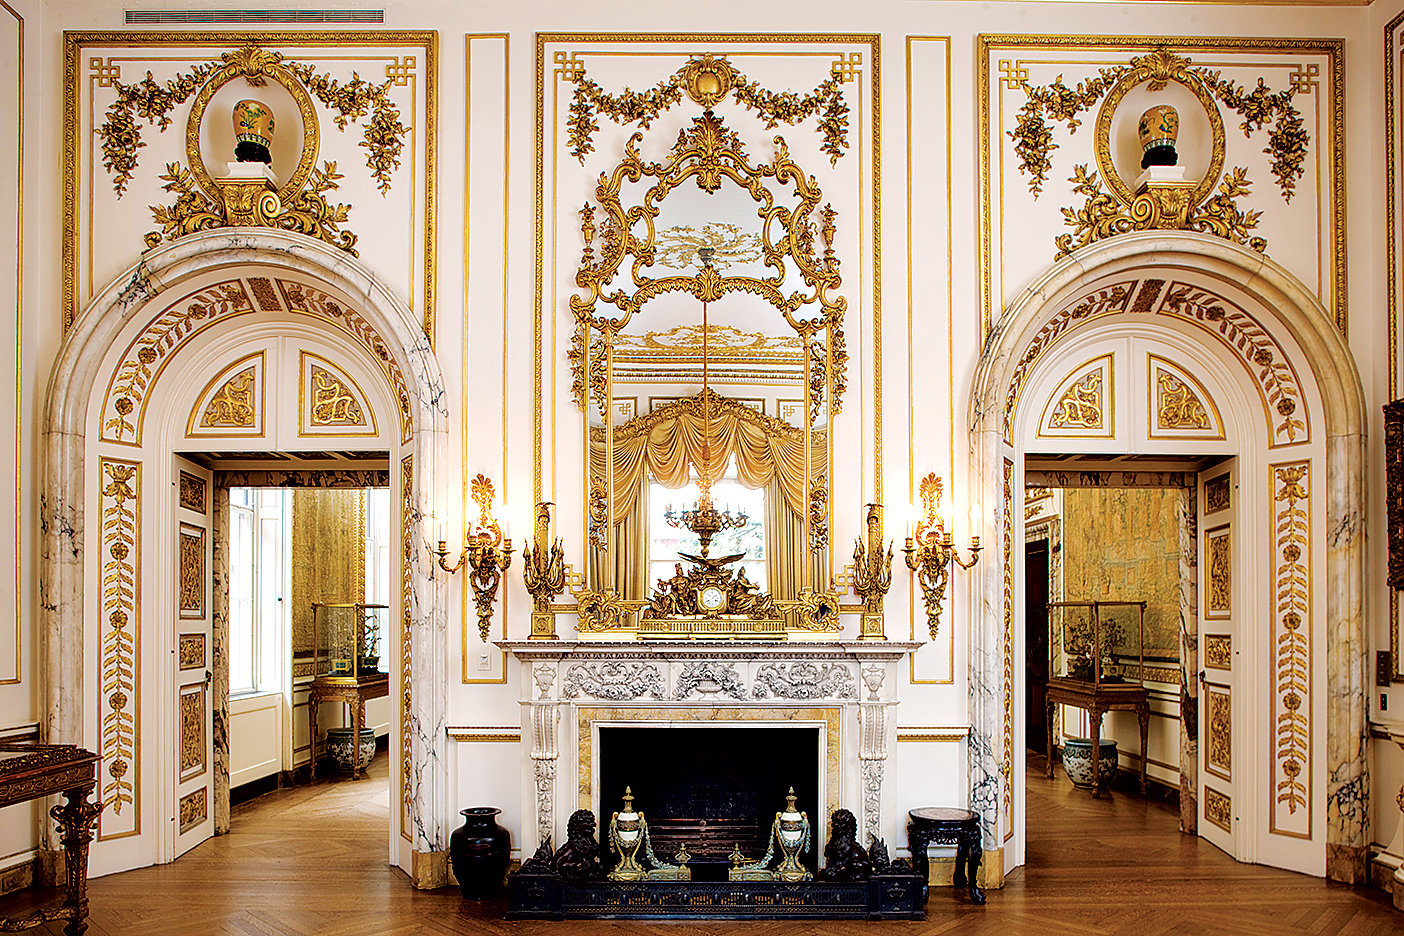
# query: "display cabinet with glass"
[[347, 640], [1098, 642]]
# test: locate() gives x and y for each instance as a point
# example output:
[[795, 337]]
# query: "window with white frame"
[[665, 542]]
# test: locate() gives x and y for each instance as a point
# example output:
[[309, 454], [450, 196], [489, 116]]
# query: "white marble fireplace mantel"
[[570, 688]]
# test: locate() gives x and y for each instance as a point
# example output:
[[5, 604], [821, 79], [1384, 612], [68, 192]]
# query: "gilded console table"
[[33, 771], [1098, 699], [354, 693]]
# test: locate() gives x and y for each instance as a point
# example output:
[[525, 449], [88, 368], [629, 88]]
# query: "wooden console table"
[[32, 771], [1098, 699], [354, 694]]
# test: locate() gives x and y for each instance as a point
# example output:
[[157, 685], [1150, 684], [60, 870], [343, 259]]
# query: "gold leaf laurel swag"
[[1104, 213], [305, 209], [669, 442]]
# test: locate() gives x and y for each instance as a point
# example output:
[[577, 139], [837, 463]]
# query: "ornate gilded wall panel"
[[1218, 809], [1007, 740], [1218, 651], [193, 809], [193, 716], [1084, 404], [1179, 406], [1291, 805], [408, 515], [194, 584], [232, 403], [1219, 602], [192, 651], [1262, 165], [119, 636], [149, 147], [1218, 754]]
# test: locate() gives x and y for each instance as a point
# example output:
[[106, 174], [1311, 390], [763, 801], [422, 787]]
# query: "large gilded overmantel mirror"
[[708, 365]]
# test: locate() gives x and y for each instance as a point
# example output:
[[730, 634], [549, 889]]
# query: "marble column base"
[[1347, 864]]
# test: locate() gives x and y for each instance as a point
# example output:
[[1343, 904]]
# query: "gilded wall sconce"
[[487, 552], [544, 571], [931, 553], [872, 575]]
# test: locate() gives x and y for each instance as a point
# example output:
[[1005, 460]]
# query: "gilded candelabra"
[[544, 572], [487, 552], [931, 553], [872, 575]]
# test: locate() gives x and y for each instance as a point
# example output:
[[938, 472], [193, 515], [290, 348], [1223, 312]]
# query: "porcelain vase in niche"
[[1158, 130], [479, 850], [253, 131], [1077, 761], [340, 748]]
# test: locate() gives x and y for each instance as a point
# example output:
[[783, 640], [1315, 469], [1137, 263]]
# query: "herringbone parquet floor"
[[312, 860]]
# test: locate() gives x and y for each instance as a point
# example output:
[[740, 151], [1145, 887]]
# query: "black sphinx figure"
[[844, 858]]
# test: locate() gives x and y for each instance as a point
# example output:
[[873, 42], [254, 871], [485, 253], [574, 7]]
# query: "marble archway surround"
[[1288, 313], [389, 332]]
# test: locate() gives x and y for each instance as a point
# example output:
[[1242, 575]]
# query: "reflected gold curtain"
[[668, 443], [630, 557]]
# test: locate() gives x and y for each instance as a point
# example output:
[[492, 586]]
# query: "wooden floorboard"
[[312, 861]]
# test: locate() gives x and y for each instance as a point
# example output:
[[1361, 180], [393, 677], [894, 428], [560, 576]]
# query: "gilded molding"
[[1291, 646], [1007, 740], [408, 529]]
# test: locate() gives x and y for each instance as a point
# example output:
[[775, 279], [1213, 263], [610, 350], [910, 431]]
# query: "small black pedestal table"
[[936, 825]]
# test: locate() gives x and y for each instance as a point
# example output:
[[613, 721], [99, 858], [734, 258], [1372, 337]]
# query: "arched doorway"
[[1300, 426], [111, 566]]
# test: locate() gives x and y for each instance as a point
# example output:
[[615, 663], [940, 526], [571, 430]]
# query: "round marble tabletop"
[[941, 814]]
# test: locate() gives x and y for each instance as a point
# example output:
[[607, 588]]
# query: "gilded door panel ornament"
[[193, 493], [1111, 206], [193, 585], [1218, 758], [192, 731], [332, 403], [1083, 406], [194, 809], [1220, 603], [232, 403], [706, 80], [119, 506], [1218, 651], [1218, 809], [1217, 496], [1180, 405], [192, 651], [1291, 624]]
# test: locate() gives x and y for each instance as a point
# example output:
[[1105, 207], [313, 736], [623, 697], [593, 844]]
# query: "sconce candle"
[[486, 550], [933, 550]]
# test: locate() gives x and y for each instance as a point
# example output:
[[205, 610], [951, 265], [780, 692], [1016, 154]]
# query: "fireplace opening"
[[714, 788]]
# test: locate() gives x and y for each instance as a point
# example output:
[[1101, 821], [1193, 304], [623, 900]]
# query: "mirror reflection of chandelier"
[[704, 520]]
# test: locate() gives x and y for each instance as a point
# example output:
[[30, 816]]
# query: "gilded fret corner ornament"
[[204, 203], [708, 80], [707, 153], [1111, 207], [1080, 407]]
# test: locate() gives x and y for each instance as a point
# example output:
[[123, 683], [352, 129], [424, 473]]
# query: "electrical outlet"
[[484, 663], [1384, 702]]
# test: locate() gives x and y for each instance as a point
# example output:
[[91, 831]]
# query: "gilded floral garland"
[[1033, 139], [149, 100], [643, 107]]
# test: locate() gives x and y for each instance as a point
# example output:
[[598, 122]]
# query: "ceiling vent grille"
[[250, 17]]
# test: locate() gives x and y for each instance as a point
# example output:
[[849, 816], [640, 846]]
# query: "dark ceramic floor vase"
[[479, 850]]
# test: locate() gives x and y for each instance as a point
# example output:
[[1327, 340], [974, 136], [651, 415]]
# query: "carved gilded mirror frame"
[[710, 155]]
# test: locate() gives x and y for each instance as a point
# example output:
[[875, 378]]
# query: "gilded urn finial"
[[253, 131]]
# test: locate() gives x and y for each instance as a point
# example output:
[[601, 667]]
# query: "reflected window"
[[665, 542]]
